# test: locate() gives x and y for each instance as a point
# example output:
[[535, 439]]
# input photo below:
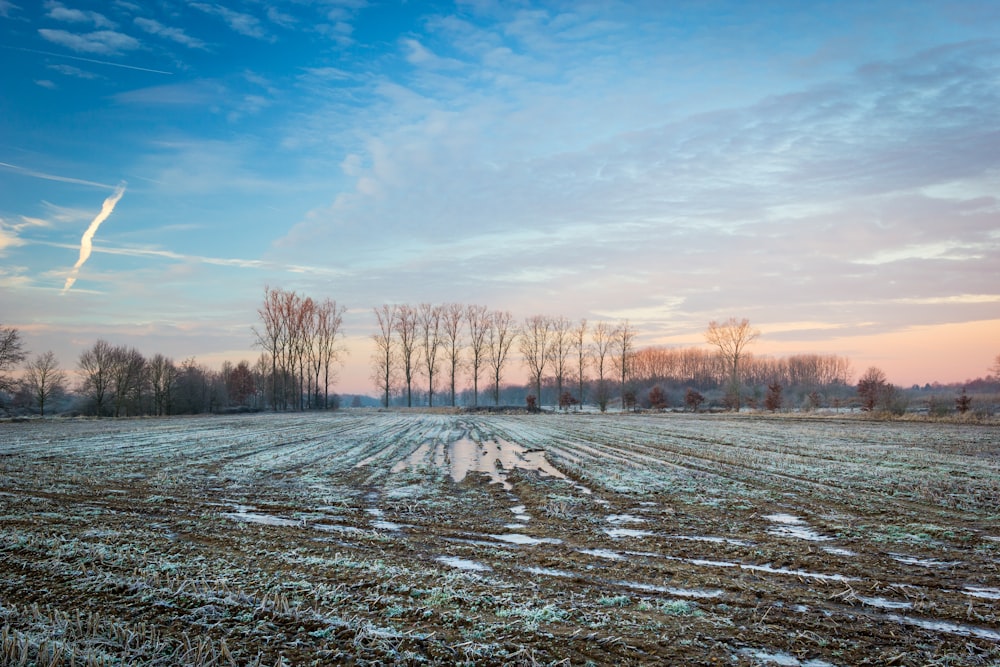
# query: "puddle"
[[492, 457], [549, 572], [698, 593], [244, 514], [986, 593], [882, 603], [947, 626], [924, 562], [783, 659], [415, 459], [714, 540], [463, 564], [336, 528], [746, 566], [522, 539], [789, 525], [603, 553], [387, 525], [520, 513], [628, 532], [837, 551]]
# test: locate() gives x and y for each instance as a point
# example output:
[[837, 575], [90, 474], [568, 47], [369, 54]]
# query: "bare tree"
[[452, 317], [299, 312], [95, 365], [44, 380], [578, 344], [536, 347], [602, 336], [995, 368], [270, 337], [406, 330], [623, 343], [559, 349], [329, 322], [731, 338], [478, 319], [162, 376], [384, 358], [429, 334], [128, 368], [11, 354], [499, 337]]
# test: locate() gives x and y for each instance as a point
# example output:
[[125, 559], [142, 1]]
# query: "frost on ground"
[[387, 538]]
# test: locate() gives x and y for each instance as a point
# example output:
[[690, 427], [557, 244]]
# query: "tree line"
[[444, 354]]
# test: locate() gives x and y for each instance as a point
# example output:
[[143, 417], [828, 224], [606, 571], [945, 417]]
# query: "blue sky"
[[828, 170]]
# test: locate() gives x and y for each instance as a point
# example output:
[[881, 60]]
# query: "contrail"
[[86, 60], [87, 242]]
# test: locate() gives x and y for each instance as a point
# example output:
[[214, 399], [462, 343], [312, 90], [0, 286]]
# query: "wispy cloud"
[[87, 241], [52, 177], [61, 13], [154, 27], [105, 42], [245, 24]]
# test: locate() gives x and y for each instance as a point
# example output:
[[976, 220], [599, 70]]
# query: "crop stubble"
[[401, 537]]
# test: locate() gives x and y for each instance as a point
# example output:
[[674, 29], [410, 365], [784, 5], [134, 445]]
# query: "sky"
[[828, 170]]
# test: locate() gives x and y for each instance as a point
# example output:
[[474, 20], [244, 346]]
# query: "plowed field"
[[365, 537]]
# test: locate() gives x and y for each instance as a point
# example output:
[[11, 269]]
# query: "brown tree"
[[693, 399], [731, 338], [240, 383], [871, 387], [657, 399], [772, 401]]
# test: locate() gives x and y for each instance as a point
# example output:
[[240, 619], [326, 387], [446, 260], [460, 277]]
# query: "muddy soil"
[[405, 538]]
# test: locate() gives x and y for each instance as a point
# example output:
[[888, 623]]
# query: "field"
[[365, 537]]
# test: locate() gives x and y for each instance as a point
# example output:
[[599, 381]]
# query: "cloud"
[[193, 93], [106, 42], [60, 13], [8, 238], [86, 242], [244, 24], [5, 7], [69, 70], [154, 27]]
